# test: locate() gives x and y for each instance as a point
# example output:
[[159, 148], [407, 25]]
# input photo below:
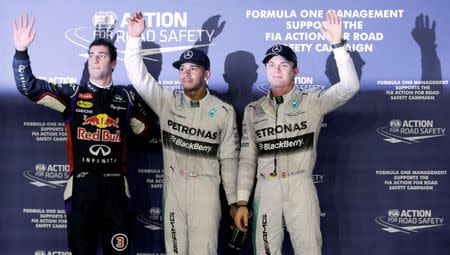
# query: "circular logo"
[[395, 123], [119, 242], [188, 54], [394, 213], [39, 252], [103, 19], [277, 48], [40, 167]]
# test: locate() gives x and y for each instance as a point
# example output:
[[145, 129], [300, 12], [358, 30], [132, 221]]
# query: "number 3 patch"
[[119, 242]]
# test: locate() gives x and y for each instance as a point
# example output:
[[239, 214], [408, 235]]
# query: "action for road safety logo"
[[410, 131], [52, 176], [409, 221]]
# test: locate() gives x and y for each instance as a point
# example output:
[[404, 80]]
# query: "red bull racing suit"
[[200, 147], [278, 148], [97, 122]]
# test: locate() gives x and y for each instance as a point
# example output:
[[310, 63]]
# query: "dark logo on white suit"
[[188, 54], [100, 149]]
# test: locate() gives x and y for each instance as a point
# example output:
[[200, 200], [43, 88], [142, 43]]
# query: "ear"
[[113, 64], [226, 78], [206, 75], [296, 71]]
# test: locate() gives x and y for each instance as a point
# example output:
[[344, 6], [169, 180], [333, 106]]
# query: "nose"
[[278, 68], [185, 73]]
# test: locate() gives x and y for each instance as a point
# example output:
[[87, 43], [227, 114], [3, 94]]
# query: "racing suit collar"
[[196, 103], [283, 98], [101, 86]]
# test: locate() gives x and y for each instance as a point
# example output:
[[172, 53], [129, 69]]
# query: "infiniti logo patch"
[[101, 149]]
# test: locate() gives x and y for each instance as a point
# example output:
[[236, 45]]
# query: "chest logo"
[[101, 120], [212, 113], [295, 104], [85, 96], [84, 104]]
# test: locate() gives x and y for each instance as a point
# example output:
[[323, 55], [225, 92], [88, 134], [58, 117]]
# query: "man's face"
[[280, 72], [99, 63], [193, 76]]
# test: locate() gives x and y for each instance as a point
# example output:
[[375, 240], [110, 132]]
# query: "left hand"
[[334, 29], [136, 24]]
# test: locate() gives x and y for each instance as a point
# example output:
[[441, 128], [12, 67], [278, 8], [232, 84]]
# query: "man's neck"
[[104, 83], [197, 94], [274, 91]]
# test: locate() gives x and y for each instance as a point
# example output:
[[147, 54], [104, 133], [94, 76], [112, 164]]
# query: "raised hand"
[[212, 25], [334, 29], [136, 24], [423, 34], [24, 34]]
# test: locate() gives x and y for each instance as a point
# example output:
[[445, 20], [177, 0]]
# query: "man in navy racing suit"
[[278, 148], [98, 117], [200, 146]]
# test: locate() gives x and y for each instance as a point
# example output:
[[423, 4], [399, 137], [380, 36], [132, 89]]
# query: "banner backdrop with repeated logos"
[[382, 168]]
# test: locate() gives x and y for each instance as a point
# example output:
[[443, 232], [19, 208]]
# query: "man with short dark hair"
[[200, 146], [98, 116], [278, 148]]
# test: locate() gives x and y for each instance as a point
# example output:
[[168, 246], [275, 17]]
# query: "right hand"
[[136, 24], [24, 34], [423, 34], [241, 218]]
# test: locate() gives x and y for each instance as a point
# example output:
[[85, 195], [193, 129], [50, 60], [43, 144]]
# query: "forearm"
[[23, 75], [144, 83], [39, 91], [246, 178], [229, 178], [349, 84]]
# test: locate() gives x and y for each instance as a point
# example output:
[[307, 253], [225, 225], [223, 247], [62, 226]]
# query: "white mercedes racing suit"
[[279, 145], [200, 144]]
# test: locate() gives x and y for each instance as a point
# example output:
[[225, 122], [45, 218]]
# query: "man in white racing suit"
[[278, 148], [200, 145]]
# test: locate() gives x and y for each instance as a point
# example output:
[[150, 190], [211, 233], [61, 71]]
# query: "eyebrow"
[[281, 62], [100, 52], [190, 64]]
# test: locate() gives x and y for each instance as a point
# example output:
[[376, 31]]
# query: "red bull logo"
[[101, 120], [99, 135]]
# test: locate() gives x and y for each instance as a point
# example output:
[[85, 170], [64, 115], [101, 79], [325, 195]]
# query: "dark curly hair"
[[111, 48]]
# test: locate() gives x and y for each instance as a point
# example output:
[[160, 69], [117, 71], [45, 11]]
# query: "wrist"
[[241, 203], [239, 206], [339, 44]]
